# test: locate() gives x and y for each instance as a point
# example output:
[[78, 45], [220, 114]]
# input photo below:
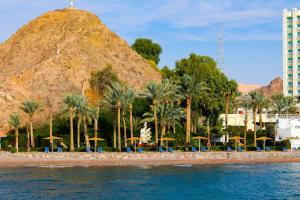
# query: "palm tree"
[[112, 100], [73, 102], [95, 116], [86, 118], [256, 98], [166, 92], [168, 114], [281, 104], [245, 102], [192, 90], [15, 122], [230, 90], [30, 107], [262, 104]]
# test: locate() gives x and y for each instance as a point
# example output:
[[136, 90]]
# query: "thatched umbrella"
[[237, 139], [199, 138], [167, 139], [264, 139], [134, 139]]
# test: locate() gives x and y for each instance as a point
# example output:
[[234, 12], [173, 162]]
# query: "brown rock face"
[[275, 87], [55, 54]]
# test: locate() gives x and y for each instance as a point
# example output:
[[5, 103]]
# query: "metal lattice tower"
[[221, 57]]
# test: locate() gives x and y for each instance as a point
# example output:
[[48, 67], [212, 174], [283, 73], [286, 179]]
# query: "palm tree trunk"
[[124, 129], [260, 121], [51, 129], [155, 123], [71, 130], [254, 122], [119, 125], [174, 128], [28, 139], [163, 132], [188, 120], [226, 110], [31, 133], [78, 130], [131, 122], [208, 135], [115, 131], [17, 139], [96, 131], [245, 130], [86, 135]]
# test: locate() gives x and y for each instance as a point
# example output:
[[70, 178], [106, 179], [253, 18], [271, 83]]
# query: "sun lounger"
[[88, 150], [46, 149], [170, 149], [140, 150], [294, 149], [128, 150], [193, 149], [161, 149], [204, 149], [284, 149], [258, 149], [59, 149], [229, 149], [268, 148], [100, 150], [240, 149]]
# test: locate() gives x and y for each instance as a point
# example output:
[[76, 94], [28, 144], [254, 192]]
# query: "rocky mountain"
[[55, 54], [275, 87]]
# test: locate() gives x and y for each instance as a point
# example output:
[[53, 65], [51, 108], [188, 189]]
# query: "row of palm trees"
[[118, 98]]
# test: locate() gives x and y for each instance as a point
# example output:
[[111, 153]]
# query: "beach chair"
[[284, 149], [229, 149], [204, 149], [258, 149], [59, 149], [194, 149], [88, 150], [46, 149], [294, 149], [161, 149], [268, 148], [170, 149], [128, 150], [140, 150], [240, 149], [100, 150]]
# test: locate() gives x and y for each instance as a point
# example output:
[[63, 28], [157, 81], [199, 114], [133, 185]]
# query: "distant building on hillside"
[[291, 52]]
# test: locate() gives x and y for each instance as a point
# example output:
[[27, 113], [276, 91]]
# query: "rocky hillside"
[[275, 87], [55, 54]]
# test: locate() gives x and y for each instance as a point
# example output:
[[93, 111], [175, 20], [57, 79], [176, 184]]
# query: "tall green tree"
[[192, 90], [229, 90], [281, 104], [147, 49], [15, 122], [245, 102], [30, 107]]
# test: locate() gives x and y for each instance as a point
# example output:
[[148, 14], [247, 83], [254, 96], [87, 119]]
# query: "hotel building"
[[291, 52]]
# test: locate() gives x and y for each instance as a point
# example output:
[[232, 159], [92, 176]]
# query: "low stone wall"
[[78, 156]]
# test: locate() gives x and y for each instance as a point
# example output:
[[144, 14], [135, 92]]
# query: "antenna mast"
[[221, 57]]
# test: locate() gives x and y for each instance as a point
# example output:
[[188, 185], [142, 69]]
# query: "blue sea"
[[231, 181]]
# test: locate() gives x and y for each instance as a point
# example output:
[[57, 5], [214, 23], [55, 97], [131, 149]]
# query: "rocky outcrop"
[[55, 54], [275, 87]]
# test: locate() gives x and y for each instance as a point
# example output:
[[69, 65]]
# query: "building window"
[[290, 75], [290, 83], [290, 58], [291, 42], [291, 67], [290, 91], [291, 51], [290, 26], [289, 18]]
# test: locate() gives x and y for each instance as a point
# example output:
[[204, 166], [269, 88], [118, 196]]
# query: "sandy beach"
[[38, 159]]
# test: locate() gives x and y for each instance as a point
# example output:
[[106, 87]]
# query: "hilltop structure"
[[55, 54]]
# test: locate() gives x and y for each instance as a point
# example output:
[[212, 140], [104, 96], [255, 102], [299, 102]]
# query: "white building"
[[291, 52], [288, 129]]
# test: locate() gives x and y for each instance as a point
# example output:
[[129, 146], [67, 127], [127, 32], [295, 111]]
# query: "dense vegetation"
[[187, 103]]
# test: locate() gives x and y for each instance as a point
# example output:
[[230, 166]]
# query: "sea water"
[[230, 181]]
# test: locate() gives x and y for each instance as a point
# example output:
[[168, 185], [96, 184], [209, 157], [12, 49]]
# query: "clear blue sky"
[[252, 28]]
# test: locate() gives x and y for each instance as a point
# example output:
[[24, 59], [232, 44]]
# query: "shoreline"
[[151, 159]]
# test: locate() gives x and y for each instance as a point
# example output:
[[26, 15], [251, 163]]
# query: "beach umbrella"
[[53, 138], [167, 140], [96, 139], [264, 140], [199, 138], [237, 139], [134, 139]]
